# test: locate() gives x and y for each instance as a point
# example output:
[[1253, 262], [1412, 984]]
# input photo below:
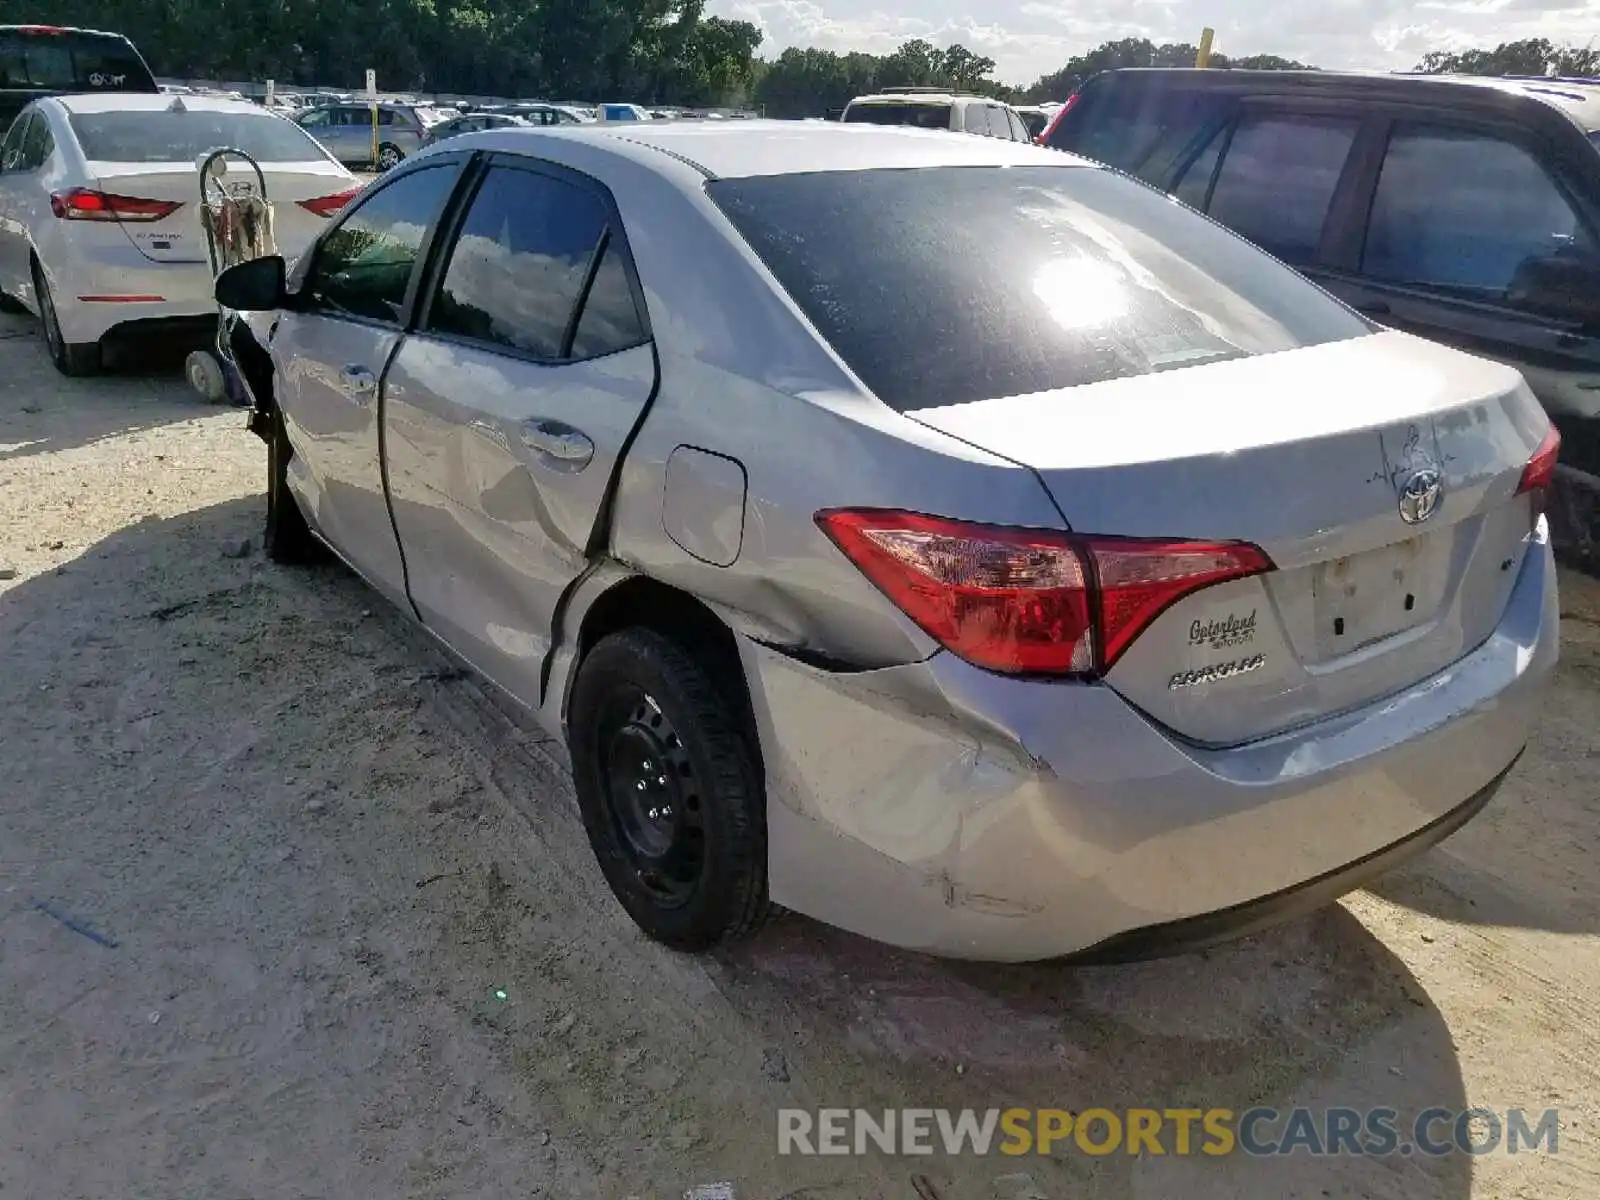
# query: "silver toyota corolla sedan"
[[947, 538]]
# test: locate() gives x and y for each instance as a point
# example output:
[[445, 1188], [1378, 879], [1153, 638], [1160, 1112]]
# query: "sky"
[[1029, 38]]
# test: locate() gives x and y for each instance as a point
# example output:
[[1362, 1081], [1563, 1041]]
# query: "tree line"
[[650, 51]]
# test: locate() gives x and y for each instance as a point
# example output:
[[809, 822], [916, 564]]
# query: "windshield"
[[922, 116], [54, 62], [945, 285], [151, 137]]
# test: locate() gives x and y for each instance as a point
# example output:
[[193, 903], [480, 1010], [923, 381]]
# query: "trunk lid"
[[179, 238], [1311, 455]]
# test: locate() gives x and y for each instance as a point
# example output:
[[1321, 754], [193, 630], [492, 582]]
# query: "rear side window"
[[953, 284], [919, 116], [71, 62], [1463, 211], [1278, 178], [521, 263], [181, 137], [364, 267], [1123, 124]]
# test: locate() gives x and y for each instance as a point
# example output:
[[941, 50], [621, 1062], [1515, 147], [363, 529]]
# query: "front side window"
[[38, 144], [1462, 211], [364, 266], [1039, 278], [1278, 178], [520, 264], [1123, 124], [317, 118]]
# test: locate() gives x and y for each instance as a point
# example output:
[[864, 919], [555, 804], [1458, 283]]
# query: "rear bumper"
[[110, 273], [941, 808]]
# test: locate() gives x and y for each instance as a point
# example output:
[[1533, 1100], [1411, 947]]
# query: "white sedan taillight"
[[1029, 601], [86, 204]]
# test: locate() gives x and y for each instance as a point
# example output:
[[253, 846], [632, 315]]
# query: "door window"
[[1019, 131], [610, 319], [1278, 178], [38, 144], [11, 148], [365, 265], [316, 119], [1462, 211], [1194, 186], [520, 264]]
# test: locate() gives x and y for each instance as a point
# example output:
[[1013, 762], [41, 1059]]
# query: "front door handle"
[[562, 447], [358, 381]]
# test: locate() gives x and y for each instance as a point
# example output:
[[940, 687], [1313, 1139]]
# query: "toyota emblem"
[[1419, 495]]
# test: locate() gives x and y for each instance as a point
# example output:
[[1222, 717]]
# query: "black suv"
[[1464, 210], [46, 60]]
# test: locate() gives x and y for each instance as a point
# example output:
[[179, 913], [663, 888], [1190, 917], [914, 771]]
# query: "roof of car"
[[98, 102], [736, 149], [1578, 98]]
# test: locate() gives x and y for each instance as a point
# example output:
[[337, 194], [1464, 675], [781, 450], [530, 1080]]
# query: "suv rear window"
[[920, 116], [945, 285], [43, 61], [158, 137]]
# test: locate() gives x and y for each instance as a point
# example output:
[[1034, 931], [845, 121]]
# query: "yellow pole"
[[374, 133], [1203, 57]]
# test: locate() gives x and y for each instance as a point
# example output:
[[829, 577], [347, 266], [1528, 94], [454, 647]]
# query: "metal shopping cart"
[[236, 215]]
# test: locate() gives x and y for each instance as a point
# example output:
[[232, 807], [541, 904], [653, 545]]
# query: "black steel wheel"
[[671, 799]]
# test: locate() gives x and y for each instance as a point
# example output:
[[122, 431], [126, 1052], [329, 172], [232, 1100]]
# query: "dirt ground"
[[339, 933]]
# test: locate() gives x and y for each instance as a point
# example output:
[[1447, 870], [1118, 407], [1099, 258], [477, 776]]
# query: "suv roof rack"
[[923, 91]]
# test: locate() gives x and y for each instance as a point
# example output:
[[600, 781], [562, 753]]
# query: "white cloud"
[[1029, 38]]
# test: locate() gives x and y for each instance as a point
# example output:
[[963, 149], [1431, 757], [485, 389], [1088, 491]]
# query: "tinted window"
[[314, 119], [1122, 124], [610, 320], [364, 267], [54, 62], [1462, 210], [1037, 278], [1034, 122], [1194, 187], [1019, 131], [37, 145], [517, 269], [922, 116], [11, 148], [1278, 178], [181, 137]]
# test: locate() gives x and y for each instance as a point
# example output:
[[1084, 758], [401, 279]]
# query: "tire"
[[649, 731], [286, 538], [389, 157], [75, 359]]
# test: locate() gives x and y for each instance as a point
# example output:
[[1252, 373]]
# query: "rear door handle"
[[558, 444], [358, 381]]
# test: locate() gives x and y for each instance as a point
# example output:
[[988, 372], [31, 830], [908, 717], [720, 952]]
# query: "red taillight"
[[85, 204], [1029, 601], [326, 206], [1541, 468], [1044, 138]]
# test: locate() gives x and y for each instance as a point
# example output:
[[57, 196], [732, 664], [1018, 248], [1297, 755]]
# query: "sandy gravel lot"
[[348, 941]]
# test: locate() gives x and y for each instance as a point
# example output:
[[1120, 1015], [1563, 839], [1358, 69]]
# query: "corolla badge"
[[1420, 494]]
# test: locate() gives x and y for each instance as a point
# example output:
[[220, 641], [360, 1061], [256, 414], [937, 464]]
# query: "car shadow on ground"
[[42, 410], [261, 678], [1527, 861]]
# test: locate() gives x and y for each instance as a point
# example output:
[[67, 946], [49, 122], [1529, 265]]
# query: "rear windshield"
[[923, 116], [70, 62], [944, 285], [153, 137]]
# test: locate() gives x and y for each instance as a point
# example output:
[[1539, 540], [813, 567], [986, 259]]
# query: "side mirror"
[[1564, 285], [255, 286]]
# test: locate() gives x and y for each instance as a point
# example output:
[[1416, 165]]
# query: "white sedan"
[[100, 232]]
